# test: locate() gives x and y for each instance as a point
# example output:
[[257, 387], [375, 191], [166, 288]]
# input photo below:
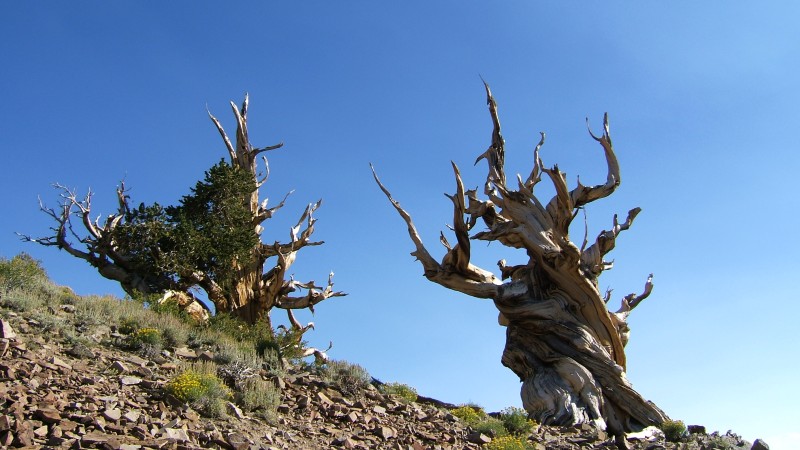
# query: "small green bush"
[[491, 427], [471, 415], [21, 272], [404, 392], [349, 378], [145, 336], [508, 443], [673, 430], [516, 421], [203, 391], [260, 397]]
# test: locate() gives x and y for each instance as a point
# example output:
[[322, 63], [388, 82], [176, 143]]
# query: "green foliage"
[[259, 337], [719, 443], [491, 426], [21, 272], [516, 421], [349, 378], [471, 415], [404, 392], [259, 396], [203, 391], [144, 337], [209, 231], [508, 443], [674, 430]]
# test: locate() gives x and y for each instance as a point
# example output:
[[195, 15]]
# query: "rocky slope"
[[56, 395]]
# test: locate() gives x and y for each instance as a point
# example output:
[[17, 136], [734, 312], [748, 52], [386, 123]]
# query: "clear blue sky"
[[703, 102]]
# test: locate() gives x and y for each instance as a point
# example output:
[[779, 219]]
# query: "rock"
[[80, 351], [175, 434], [478, 438], [5, 422], [130, 381], [6, 331], [379, 410], [185, 352], [112, 414], [235, 411], [385, 432], [120, 367], [67, 308], [4, 346], [238, 441], [48, 415], [648, 434], [759, 445], [696, 429]]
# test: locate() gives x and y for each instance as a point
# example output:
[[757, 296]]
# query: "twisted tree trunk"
[[564, 344]]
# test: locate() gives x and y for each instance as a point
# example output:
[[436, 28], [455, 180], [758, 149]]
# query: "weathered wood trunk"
[[562, 341]]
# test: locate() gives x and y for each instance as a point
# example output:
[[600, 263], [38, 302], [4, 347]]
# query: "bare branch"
[[225, 139], [592, 259], [476, 282]]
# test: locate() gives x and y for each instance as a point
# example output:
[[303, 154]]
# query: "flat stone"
[[48, 415], [478, 438], [185, 352], [379, 410], [175, 434], [6, 331], [235, 410], [94, 439], [135, 360], [130, 381], [112, 414], [40, 432], [386, 433], [132, 416], [238, 441], [324, 399], [119, 366]]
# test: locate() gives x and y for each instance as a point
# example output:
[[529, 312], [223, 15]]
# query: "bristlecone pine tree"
[[211, 240], [564, 344]]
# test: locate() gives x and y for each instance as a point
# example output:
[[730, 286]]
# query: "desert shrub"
[[128, 325], [147, 340], [470, 414], [719, 443], [49, 323], [405, 392], [174, 331], [95, 310], [23, 300], [349, 378], [516, 421], [21, 272], [491, 426], [508, 443], [200, 389], [673, 430], [259, 397]]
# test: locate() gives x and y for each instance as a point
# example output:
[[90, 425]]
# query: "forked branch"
[[455, 272]]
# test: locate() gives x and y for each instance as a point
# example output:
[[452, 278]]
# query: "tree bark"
[[562, 341]]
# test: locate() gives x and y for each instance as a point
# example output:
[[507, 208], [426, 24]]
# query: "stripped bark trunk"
[[564, 344]]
